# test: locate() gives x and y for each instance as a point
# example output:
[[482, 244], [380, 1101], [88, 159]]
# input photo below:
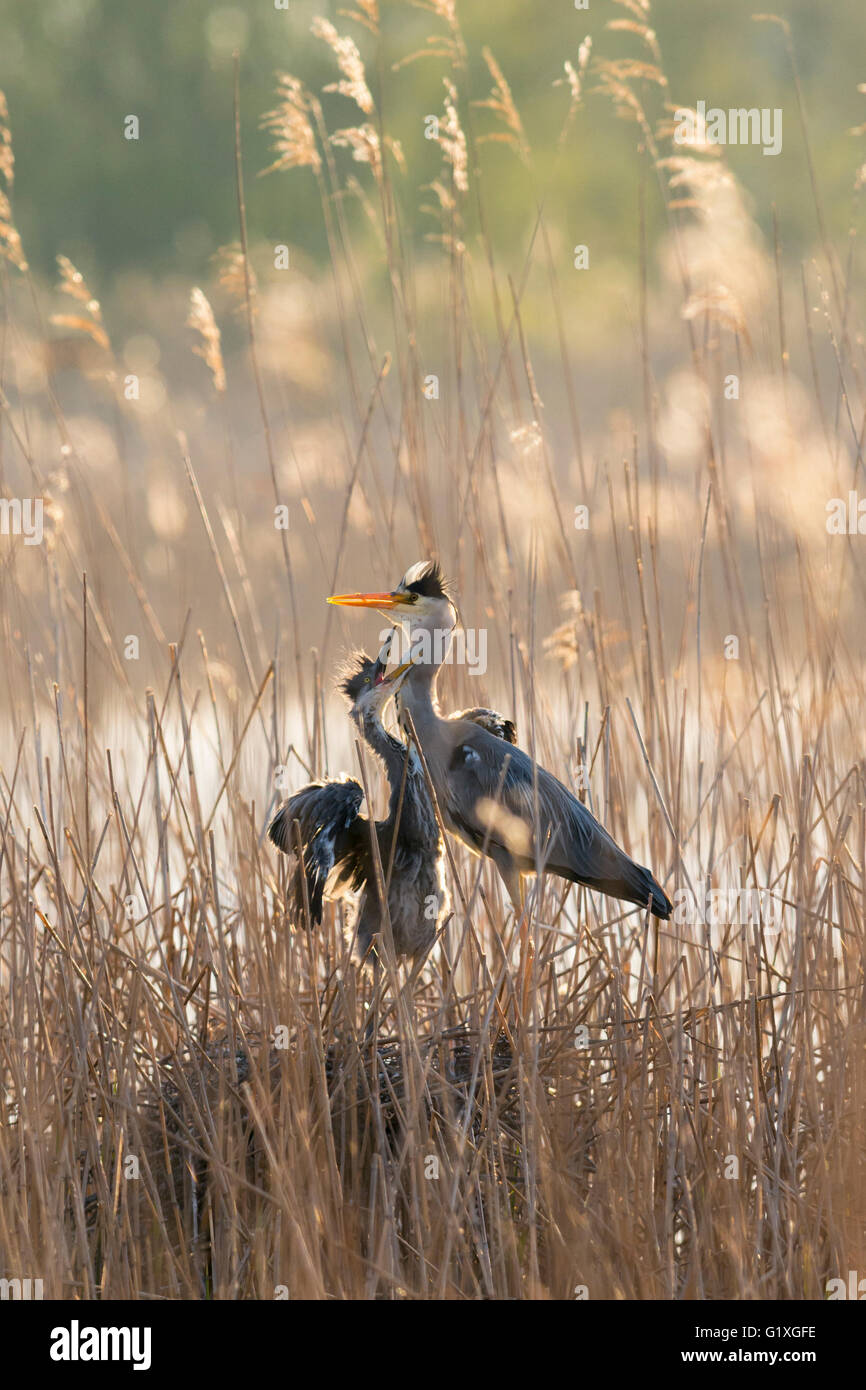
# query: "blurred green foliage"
[[73, 69]]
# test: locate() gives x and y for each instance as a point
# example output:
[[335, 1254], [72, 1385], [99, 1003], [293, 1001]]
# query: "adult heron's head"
[[420, 604]]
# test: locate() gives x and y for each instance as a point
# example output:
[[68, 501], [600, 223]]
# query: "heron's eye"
[[366, 680]]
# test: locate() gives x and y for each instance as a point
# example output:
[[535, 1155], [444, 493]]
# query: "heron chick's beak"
[[382, 659], [398, 675], [380, 601]]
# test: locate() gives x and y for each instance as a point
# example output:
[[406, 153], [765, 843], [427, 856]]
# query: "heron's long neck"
[[418, 700], [418, 696], [388, 748], [417, 821]]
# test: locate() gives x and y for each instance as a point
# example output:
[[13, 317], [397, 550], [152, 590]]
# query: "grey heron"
[[335, 839], [490, 792]]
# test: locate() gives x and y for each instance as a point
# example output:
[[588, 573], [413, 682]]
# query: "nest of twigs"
[[226, 1104]]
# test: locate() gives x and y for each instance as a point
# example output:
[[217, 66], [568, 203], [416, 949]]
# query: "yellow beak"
[[399, 671], [391, 600]]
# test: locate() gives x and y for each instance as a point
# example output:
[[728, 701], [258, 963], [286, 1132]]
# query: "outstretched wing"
[[571, 842], [491, 720], [326, 813]]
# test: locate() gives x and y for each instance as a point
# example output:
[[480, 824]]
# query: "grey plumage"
[[572, 843], [486, 789]]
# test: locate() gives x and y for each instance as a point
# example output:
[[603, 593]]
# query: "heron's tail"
[[647, 890], [621, 877], [631, 883]]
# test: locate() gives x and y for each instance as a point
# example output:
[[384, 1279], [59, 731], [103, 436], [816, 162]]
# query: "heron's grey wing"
[[326, 813], [571, 842], [491, 720]]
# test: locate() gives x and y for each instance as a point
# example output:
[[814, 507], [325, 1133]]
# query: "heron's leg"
[[368, 951], [418, 963], [527, 956], [373, 1015], [510, 875], [516, 886]]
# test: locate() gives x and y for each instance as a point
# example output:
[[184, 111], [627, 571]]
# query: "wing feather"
[[491, 720], [572, 843], [326, 813]]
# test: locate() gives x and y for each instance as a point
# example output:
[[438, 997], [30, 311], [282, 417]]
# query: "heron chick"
[[336, 857]]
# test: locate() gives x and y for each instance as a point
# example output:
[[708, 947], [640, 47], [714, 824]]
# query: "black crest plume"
[[426, 580]]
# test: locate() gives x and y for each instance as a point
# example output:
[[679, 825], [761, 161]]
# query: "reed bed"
[[195, 1103]]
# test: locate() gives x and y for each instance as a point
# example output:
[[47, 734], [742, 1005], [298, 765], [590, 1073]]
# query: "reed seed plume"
[[289, 123], [453, 141], [639, 8], [718, 305], [353, 83], [445, 9], [364, 143], [367, 14], [209, 345], [7, 157], [231, 273], [501, 103], [623, 70], [10, 241], [11, 248], [574, 75], [448, 46], [89, 322]]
